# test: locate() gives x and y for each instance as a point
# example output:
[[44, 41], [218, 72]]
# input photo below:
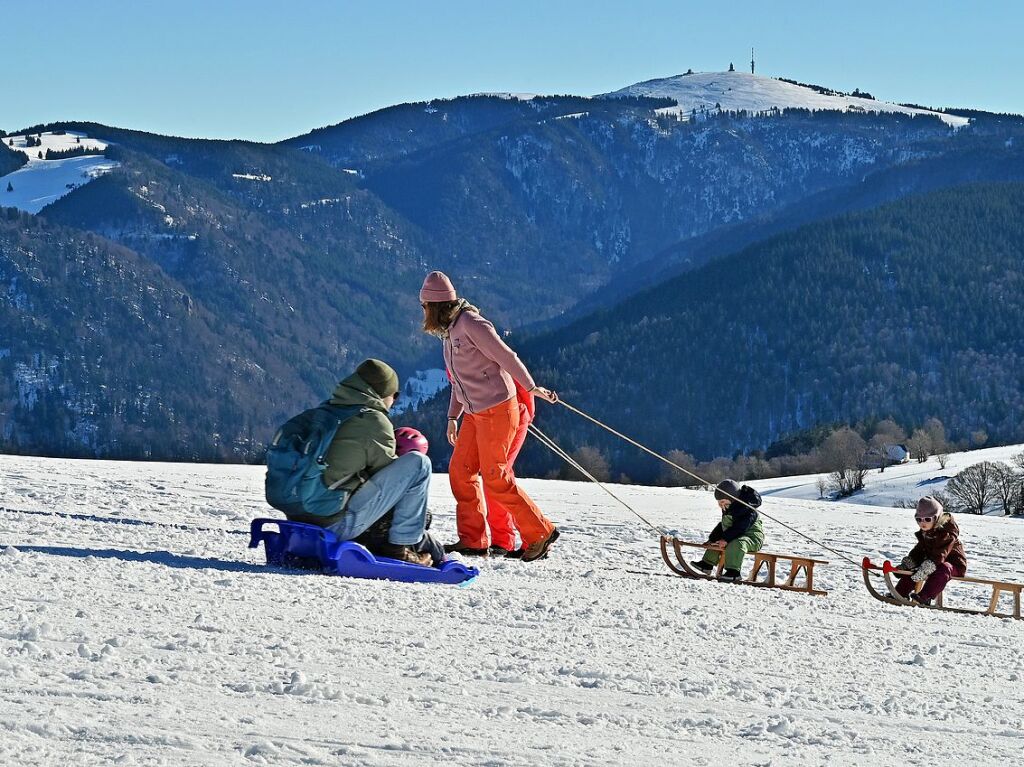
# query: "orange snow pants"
[[499, 519], [483, 448]]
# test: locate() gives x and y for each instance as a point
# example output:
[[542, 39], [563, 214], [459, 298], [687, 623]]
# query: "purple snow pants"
[[934, 585]]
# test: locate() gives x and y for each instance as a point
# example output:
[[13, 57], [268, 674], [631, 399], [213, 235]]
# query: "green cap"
[[380, 375]]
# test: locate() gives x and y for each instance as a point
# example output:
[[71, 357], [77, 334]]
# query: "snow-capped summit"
[[734, 91]]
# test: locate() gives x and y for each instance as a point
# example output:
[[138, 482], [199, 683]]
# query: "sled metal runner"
[[999, 588], [672, 553]]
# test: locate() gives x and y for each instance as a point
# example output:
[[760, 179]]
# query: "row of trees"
[[75, 151], [844, 454], [988, 485]]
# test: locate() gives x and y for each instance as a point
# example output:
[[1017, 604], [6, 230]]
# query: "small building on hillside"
[[890, 455], [897, 454]]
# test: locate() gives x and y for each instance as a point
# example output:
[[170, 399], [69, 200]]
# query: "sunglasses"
[[925, 519]]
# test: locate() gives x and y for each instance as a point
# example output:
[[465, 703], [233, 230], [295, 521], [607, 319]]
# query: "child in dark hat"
[[739, 532], [938, 556]]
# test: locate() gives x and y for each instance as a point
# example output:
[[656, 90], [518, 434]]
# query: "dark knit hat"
[[929, 506], [727, 490], [380, 375]]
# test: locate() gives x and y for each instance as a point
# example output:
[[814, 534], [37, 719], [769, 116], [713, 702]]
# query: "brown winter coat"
[[941, 544]]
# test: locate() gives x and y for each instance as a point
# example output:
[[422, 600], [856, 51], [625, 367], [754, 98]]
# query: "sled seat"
[[999, 588], [763, 560], [308, 547]]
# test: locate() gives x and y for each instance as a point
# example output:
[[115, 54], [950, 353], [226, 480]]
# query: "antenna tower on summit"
[[751, 61]]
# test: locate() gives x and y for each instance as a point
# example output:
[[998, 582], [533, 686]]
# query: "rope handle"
[[703, 481]]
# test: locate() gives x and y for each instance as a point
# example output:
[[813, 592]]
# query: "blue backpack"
[[296, 463]]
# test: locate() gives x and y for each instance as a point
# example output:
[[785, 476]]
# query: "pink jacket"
[[482, 366]]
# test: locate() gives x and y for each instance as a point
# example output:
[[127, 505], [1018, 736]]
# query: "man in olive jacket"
[[362, 460]]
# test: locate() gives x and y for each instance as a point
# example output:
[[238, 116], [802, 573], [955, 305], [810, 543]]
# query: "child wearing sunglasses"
[[937, 557]]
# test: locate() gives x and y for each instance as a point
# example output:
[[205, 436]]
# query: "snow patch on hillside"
[[735, 91], [419, 387], [40, 182], [57, 142]]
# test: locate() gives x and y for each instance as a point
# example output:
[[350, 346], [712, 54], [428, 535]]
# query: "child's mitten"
[[921, 573]]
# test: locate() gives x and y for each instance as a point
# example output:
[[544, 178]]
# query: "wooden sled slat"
[[763, 561], [999, 588]]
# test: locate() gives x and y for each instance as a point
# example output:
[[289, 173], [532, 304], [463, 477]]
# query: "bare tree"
[[879, 449], [936, 435], [1018, 461], [822, 486], [920, 445], [593, 460], [1008, 487], [943, 459], [717, 470], [974, 488], [888, 434], [672, 477], [844, 454]]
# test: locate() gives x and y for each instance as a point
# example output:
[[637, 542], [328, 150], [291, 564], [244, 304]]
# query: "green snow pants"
[[735, 551]]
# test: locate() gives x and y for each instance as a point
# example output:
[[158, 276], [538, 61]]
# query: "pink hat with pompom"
[[437, 287]]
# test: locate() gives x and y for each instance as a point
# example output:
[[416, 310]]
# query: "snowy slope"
[[136, 628], [904, 483], [41, 182], [735, 91], [419, 387]]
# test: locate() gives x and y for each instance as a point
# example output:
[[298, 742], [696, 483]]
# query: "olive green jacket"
[[365, 443]]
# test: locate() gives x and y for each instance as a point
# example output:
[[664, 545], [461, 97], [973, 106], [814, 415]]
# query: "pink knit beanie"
[[437, 287]]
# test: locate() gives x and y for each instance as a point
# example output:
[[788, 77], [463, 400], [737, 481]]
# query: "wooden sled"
[[763, 560], [888, 569]]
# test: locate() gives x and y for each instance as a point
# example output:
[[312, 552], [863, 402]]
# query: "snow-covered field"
[[41, 181], [136, 628], [735, 91], [897, 484]]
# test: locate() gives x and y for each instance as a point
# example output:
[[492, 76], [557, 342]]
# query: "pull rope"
[[553, 447], [703, 481]]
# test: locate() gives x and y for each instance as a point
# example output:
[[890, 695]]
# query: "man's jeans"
[[402, 486]]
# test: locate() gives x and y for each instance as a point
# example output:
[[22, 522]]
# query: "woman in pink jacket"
[[484, 371]]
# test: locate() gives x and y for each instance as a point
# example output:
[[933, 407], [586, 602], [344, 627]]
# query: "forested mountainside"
[[9, 159], [104, 354], [911, 310], [310, 265]]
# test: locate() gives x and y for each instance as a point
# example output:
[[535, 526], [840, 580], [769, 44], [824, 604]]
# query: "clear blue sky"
[[269, 70]]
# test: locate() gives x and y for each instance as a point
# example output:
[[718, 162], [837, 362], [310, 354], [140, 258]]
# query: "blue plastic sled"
[[309, 547]]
